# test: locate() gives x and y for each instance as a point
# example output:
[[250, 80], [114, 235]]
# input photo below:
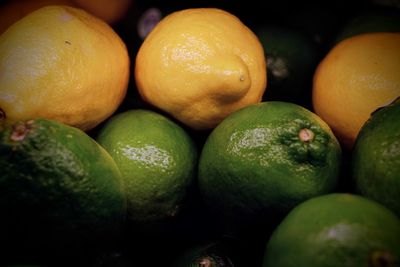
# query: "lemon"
[[62, 63], [265, 159], [157, 159], [199, 65], [358, 75]]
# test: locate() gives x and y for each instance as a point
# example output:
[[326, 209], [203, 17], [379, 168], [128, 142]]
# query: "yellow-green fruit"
[[266, 158], [376, 158], [336, 230], [157, 159], [58, 188]]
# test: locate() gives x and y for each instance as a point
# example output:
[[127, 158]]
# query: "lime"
[[267, 158], [59, 189], [157, 159], [336, 230], [376, 158]]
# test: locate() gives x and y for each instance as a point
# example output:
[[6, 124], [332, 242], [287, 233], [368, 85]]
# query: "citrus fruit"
[[357, 76], [288, 70], [58, 188], [199, 65], [376, 158], [53, 65], [157, 159], [375, 20], [265, 159], [336, 230]]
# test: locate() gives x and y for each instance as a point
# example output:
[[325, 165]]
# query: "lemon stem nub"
[[306, 135]]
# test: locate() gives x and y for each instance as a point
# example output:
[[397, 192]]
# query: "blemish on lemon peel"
[[382, 259], [306, 135], [20, 131]]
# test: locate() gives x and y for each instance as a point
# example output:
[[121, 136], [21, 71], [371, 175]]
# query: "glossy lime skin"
[[375, 166], [254, 162], [157, 159], [57, 186], [336, 230]]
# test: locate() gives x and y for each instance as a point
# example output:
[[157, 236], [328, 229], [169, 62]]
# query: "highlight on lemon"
[[53, 65], [199, 65]]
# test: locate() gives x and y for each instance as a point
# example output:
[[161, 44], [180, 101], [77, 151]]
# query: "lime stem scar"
[[306, 135], [205, 262], [20, 130]]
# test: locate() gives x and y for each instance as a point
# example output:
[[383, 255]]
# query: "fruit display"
[[199, 133]]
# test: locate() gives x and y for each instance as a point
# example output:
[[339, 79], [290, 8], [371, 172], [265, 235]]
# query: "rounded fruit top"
[[337, 229], [266, 158], [53, 65], [63, 186], [157, 159], [199, 65], [375, 164], [357, 76]]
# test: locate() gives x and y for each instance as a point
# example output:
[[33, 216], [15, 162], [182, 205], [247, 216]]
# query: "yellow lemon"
[[200, 65], [357, 76], [62, 63]]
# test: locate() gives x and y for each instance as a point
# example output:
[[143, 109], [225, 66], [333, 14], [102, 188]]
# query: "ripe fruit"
[[376, 158], [336, 230], [356, 77], [200, 65], [53, 65], [265, 159], [58, 188], [157, 160]]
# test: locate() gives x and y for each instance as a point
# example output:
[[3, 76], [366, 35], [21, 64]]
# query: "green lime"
[[291, 61], [267, 158], [367, 21], [58, 188], [336, 230], [157, 159], [376, 158]]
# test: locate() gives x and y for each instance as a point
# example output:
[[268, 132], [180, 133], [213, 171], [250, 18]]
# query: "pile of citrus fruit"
[[220, 139]]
